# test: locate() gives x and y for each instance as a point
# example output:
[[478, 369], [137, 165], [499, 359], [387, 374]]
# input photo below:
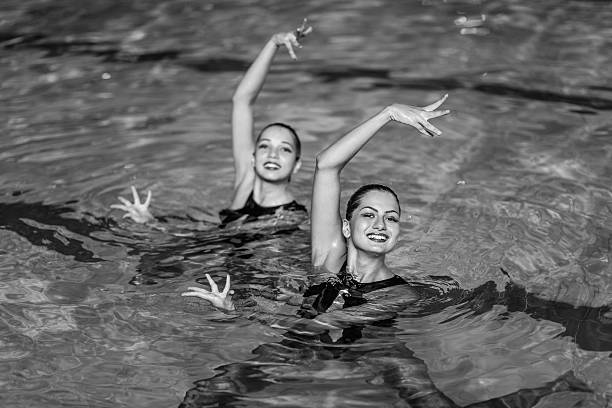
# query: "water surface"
[[101, 95]]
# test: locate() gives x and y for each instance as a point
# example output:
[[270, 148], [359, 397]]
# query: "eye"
[[262, 146], [392, 218], [367, 215], [286, 150]]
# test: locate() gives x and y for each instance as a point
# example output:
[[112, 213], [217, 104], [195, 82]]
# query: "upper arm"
[[243, 145], [328, 243]]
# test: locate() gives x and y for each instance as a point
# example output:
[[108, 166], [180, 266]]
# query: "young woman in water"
[[354, 248], [263, 164]]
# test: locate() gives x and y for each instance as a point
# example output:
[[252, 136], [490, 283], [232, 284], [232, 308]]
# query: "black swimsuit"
[[253, 210], [352, 291]]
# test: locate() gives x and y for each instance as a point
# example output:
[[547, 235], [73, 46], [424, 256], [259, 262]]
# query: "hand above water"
[[292, 38], [419, 117], [218, 299], [137, 211]]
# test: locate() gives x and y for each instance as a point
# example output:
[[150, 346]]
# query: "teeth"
[[378, 237], [271, 166]]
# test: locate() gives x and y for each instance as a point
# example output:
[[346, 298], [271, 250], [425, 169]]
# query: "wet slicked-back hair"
[[296, 138], [357, 196]]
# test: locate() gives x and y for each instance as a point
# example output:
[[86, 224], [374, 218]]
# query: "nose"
[[273, 152], [379, 223]]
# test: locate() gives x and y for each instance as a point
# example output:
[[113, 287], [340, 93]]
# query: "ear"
[[346, 228], [253, 160], [297, 166]]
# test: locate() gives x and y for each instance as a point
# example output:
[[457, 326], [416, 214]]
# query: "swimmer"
[[353, 249], [263, 164]]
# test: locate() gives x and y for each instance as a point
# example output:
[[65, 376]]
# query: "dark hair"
[[356, 197], [296, 138]]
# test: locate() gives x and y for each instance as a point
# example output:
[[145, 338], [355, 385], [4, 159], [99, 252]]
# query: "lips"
[[271, 166], [378, 237]]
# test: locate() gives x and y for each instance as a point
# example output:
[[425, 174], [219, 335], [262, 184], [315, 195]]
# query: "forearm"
[[254, 78], [339, 153]]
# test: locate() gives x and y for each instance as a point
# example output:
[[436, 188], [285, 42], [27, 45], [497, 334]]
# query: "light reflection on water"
[[106, 94]]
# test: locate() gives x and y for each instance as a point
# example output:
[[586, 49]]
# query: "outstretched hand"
[[137, 211], [291, 39], [419, 117], [218, 299]]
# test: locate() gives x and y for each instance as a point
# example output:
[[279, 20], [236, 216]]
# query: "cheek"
[[289, 157], [396, 231], [361, 224]]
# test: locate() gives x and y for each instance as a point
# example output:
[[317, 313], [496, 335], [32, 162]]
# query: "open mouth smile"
[[378, 237], [271, 166]]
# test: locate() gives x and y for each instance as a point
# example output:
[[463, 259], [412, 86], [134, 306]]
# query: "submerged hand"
[[137, 211], [291, 39], [218, 299], [419, 117]]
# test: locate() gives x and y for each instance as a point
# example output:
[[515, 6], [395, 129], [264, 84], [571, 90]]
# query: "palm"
[[218, 299], [137, 211], [419, 117], [292, 39]]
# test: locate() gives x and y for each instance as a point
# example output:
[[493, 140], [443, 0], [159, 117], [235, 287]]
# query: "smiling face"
[[374, 224], [276, 156]]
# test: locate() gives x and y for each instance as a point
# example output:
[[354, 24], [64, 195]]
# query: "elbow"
[[241, 97], [323, 161]]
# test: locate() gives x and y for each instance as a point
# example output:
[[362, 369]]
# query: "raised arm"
[[328, 243], [242, 110]]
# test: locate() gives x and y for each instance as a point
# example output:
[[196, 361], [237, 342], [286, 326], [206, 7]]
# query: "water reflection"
[[348, 362], [47, 225]]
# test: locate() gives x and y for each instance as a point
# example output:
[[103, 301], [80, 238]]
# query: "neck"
[[271, 194], [366, 267]]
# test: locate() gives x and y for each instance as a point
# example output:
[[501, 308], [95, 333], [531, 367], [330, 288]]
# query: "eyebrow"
[[265, 139], [374, 209]]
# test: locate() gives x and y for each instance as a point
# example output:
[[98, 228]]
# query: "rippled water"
[[103, 94]]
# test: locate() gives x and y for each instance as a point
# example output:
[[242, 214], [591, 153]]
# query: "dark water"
[[99, 95]]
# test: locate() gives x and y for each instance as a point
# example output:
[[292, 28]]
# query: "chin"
[[275, 180], [271, 176], [377, 249], [381, 251]]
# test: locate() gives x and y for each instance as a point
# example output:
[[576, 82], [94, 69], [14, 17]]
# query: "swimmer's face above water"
[[276, 155], [374, 224]]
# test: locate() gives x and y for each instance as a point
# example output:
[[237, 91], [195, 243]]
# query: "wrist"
[[388, 113], [275, 40]]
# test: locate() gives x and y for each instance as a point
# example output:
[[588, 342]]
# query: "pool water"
[[507, 217]]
